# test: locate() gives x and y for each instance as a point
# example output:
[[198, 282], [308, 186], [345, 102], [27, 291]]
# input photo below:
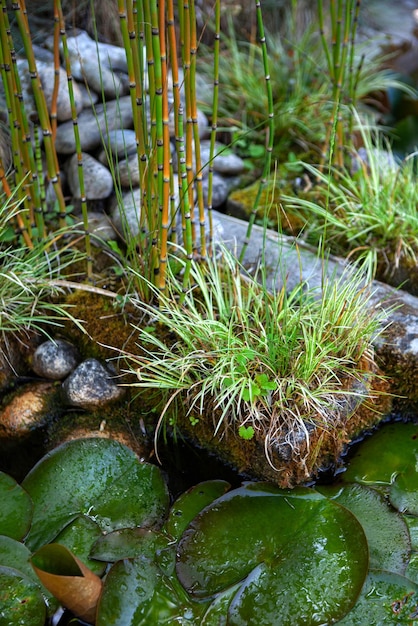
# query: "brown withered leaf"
[[74, 585]]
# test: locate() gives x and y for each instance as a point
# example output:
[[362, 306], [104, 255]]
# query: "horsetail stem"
[[214, 127], [41, 109], [83, 199], [270, 127]]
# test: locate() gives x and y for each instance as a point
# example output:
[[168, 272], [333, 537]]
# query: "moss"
[[107, 325], [242, 201], [325, 446]]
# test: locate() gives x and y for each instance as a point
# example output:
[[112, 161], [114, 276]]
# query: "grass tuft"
[[269, 365]]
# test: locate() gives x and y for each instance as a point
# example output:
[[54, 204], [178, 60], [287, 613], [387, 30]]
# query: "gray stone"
[[98, 182], [46, 74], [126, 212], [221, 187], [55, 359], [92, 125], [100, 227], [224, 161], [91, 385], [128, 171], [96, 63], [121, 142]]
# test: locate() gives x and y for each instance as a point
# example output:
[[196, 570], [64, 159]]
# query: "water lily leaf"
[[136, 542], [79, 537], [16, 508], [386, 531], [190, 503], [96, 477], [386, 598], [295, 550], [21, 601], [379, 459], [15, 554], [136, 593], [404, 491], [75, 586]]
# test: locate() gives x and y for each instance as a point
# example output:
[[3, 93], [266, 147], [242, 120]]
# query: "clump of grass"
[[368, 209], [32, 280], [269, 365]]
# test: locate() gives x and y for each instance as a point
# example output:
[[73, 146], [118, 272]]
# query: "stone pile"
[[105, 123]]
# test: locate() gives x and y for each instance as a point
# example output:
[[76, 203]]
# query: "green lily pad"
[[380, 458], [21, 601], [296, 550], [78, 537], [404, 491], [190, 503], [386, 599], [411, 571], [136, 542], [16, 508], [386, 531], [136, 593], [16, 555], [99, 478]]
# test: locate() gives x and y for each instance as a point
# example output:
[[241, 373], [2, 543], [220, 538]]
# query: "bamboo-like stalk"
[[185, 42], [187, 228], [270, 126], [195, 129], [42, 110], [53, 112], [19, 134], [214, 126], [133, 43], [83, 199]]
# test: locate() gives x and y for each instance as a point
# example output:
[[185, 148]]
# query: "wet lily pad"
[[136, 593], [136, 542], [99, 478], [78, 537], [386, 599], [21, 601], [16, 555], [296, 550], [404, 491], [16, 508], [190, 503], [386, 531], [380, 458]]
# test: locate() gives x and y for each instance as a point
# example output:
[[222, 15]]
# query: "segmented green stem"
[[42, 110], [270, 126], [214, 127], [83, 199]]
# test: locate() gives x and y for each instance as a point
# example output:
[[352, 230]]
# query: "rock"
[[46, 73], [128, 172], [55, 359], [29, 409], [221, 187], [98, 181], [100, 227], [91, 385], [92, 125], [121, 142], [225, 161], [47, 76], [96, 63], [125, 213], [202, 123]]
